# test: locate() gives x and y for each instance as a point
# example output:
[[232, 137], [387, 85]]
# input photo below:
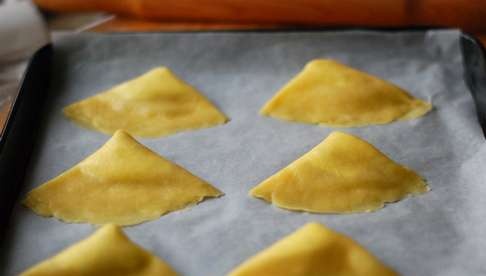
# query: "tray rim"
[[19, 131]]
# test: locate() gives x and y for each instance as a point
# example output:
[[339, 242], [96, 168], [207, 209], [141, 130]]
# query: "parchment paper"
[[439, 233]]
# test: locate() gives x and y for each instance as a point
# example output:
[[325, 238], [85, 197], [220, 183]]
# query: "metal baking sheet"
[[438, 233]]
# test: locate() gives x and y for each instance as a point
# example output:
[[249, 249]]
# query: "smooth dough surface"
[[123, 183], [107, 252], [343, 174], [314, 250], [329, 93], [157, 103]]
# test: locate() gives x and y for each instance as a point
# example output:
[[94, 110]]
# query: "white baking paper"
[[439, 233]]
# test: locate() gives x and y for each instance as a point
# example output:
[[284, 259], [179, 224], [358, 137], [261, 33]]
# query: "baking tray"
[[19, 136]]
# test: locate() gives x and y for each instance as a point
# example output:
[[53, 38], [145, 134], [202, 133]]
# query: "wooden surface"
[[123, 24], [4, 109], [195, 15], [482, 38], [465, 14]]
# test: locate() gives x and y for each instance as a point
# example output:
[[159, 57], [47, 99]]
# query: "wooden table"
[[103, 23], [120, 24]]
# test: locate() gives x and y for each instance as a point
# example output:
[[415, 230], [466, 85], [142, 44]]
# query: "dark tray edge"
[[19, 132], [474, 61]]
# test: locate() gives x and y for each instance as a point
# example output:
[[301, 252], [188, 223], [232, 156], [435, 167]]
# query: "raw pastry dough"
[[123, 183], [314, 250], [342, 174], [107, 252], [154, 104], [329, 93]]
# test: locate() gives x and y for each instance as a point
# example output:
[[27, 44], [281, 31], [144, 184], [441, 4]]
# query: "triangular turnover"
[[314, 250], [123, 183], [343, 174], [157, 103], [329, 93], [106, 252]]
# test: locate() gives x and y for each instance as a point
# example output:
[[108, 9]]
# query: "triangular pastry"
[[314, 250], [106, 252], [329, 93], [157, 103], [343, 174], [123, 183]]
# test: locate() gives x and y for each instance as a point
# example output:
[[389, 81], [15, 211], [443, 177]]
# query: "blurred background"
[[27, 25]]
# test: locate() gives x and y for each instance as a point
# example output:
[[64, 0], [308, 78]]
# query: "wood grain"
[[466, 14], [482, 38], [4, 110], [123, 24]]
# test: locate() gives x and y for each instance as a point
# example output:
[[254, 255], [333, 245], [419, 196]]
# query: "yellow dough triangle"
[[107, 252], [343, 174], [314, 250], [123, 183], [155, 104], [329, 93]]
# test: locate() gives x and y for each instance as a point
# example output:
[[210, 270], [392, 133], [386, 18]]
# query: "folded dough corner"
[[106, 252], [314, 250], [329, 93], [343, 174], [157, 103], [123, 183]]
